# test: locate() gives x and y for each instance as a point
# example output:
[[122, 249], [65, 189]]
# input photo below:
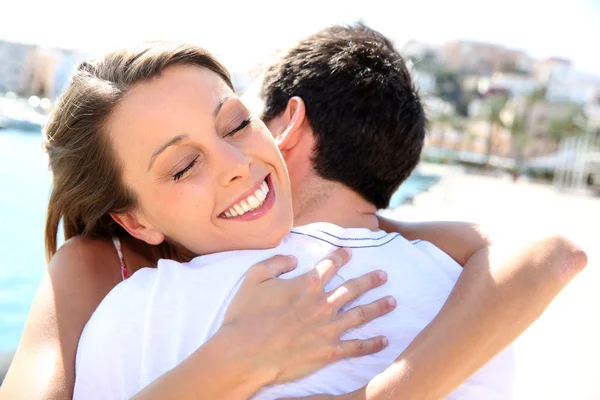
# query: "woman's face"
[[207, 175]]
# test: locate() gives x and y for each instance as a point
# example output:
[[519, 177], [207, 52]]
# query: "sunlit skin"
[[190, 150]]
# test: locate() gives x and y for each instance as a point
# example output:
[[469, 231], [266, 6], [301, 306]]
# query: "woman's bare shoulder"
[[82, 269], [79, 276], [80, 255]]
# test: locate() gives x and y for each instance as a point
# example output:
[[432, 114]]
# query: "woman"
[[74, 194]]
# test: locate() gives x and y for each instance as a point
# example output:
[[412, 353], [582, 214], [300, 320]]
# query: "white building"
[[12, 60], [565, 84], [553, 69], [483, 58], [516, 85], [40, 72], [577, 88], [419, 50]]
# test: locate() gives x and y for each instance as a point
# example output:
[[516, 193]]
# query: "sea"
[[24, 190]]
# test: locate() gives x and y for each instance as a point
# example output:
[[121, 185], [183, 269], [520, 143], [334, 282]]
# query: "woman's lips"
[[255, 205]]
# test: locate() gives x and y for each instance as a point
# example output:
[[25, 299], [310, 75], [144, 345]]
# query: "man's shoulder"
[[337, 236], [136, 288], [385, 248]]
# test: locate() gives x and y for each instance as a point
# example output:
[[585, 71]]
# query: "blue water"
[[24, 189], [414, 185]]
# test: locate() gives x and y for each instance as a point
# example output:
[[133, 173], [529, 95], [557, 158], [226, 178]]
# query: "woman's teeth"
[[252, 202]]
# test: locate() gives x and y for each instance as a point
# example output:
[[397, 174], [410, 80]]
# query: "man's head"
[[354, 93]]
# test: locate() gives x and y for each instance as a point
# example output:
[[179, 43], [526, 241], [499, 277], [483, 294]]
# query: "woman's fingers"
[[328, 267], [354, 288], [358, 348], [360, 315], [271, 268]]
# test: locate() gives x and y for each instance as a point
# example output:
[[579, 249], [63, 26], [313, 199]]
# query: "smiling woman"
[[204, 153], [153, 141], [164, 144]]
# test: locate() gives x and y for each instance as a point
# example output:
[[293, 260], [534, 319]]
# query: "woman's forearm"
[[275, 331], [495, 299], [221, 369]]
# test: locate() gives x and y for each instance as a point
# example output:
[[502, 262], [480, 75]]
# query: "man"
[[350, 127]]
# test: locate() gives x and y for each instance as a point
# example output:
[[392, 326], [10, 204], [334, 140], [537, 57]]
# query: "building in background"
[[13, 57], [67, 61], [39, 72], [514, 84], [29, 70], [420, 51], [484, 58], [565, 84]]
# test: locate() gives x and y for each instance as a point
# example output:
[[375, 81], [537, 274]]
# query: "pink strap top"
[[117, 243]]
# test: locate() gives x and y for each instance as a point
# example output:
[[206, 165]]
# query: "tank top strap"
[[117, 244]]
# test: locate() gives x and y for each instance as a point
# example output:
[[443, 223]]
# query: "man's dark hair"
[[361, 103]]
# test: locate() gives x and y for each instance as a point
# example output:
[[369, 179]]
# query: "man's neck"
[[336, 204]]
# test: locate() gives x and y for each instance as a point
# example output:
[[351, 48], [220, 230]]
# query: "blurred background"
[[513, 94]]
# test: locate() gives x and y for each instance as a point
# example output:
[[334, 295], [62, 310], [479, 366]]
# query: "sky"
[[244, 33]]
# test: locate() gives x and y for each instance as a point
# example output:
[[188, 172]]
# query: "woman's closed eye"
[[177, 176], [240, 127]]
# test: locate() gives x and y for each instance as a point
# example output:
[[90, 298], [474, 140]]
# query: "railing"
[[582, 162]]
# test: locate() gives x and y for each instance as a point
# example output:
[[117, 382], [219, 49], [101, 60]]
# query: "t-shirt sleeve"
[[107, 364], [442, 260]]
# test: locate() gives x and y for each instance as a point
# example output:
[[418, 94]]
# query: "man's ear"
[[294, 117], [137, 229]]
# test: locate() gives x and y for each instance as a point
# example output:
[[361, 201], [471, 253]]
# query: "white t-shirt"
[[151, 322]]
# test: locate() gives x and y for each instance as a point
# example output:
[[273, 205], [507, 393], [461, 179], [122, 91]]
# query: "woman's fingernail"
[[391, 301], [348, 251], [382, 275], [385, 341]]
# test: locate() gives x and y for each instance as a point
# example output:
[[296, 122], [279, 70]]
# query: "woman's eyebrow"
[[171, 142], [220, 105], [179, 138]]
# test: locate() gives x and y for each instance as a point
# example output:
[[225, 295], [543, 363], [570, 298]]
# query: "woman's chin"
[[271, 243]]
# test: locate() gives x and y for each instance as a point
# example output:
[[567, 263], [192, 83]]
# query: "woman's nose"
[[235, 164]]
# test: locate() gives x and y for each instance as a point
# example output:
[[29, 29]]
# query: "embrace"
[[216, 253]]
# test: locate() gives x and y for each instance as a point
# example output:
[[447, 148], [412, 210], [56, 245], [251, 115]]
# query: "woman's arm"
[[229, 365], [78, 277], [502, 290], [499, 294], [276, 330]]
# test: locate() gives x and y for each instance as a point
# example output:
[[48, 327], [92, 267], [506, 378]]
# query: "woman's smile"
[[252, 205]]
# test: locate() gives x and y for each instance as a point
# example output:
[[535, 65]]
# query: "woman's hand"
[[276, 330], [291, 328]]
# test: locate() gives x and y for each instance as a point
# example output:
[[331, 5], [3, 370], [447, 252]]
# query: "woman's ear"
[[138, 230], [294, 116]]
